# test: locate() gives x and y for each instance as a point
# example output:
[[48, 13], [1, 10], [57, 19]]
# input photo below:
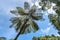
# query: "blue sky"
[[5, 6]]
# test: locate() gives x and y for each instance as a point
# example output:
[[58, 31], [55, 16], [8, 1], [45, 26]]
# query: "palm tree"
[[24, 20]]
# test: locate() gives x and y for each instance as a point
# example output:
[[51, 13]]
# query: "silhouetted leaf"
[[18, 25], [15, 21], [35, 26], [21, 11]]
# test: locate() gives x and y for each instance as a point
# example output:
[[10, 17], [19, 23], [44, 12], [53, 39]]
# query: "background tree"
[[2, 38], [54, 18]]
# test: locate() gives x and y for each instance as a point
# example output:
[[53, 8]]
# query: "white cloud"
[[46, 30], [53, 4], [37, 4], [51, 11]]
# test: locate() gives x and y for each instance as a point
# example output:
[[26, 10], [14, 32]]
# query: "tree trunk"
[[21, 29]]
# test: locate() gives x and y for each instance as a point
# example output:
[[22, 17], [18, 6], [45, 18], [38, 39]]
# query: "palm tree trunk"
[[21, 29], [17, 36]]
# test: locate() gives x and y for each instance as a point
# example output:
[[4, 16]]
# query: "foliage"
[[24, 22], [2, 38], [54, 18], [47, 37]]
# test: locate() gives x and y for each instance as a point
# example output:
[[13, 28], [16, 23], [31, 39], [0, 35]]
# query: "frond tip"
[[12, 11]]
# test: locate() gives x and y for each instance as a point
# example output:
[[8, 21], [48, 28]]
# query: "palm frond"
[[23, 26], [18, 26], [11, 25], [14, 12], [28, 29], [14, 21], [21, 11], [32, 11], [26, 5], [34, 26], [36, 17], [23, 29]]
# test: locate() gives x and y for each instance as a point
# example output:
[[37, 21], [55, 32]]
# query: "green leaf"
[[28, 29], [21, 11], [35, 26], [14, 20]]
